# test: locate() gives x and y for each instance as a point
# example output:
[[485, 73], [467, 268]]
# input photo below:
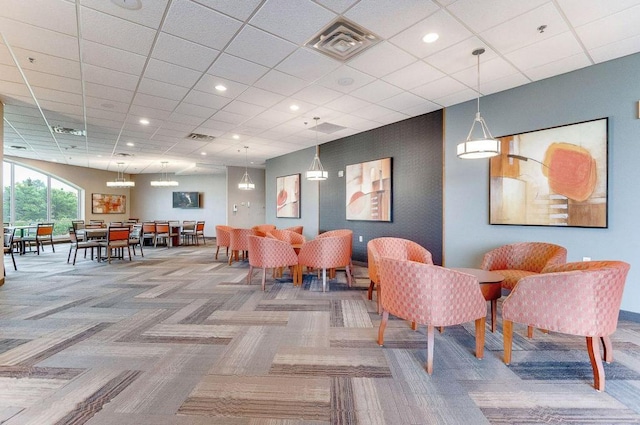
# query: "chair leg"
[[494, 318], [324, 280], [529, 332], [378, 291], [593, 347], [75, 254], [348, 269], [383, 325], [250, 274], [507, 332], [414, 326], [608, 349], [430, 342], [14, 260], [129, 250], [264, 277], [480, 324], [372, 285], [53, 247], [69, 256], [141, 252], [217, 249]]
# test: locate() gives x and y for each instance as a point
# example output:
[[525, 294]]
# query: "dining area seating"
[[269, 253], [43, 235]]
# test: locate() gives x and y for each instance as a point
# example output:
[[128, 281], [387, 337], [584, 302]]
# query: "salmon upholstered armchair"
[[327, 253], [581, 298], [433, 296], [297, 229], [223, 238], [239, 242], [288, 236], [339, 232], [269, 253], [398, 248], [262, 229], [515, 261]]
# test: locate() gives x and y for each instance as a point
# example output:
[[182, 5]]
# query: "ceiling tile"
[[259, 46], [170, 73], [439, 88], [615, 50], [424, 108], [307, 64], [338, 6], [505, 83], [376, 91], [39, 79], [200, 24], [209, 82], [459, 57], [112, 58], [237, 69], [449, 30], [243, 108], [546, 51], [581, 12], [480, 15], [414, 75], [184, 119], [523, 30], [48, 64], [107, 105], [237, 9], [317, 95], [345, 79], [155, 102], [281, 83], [150, 14], [209, 100], [108, 77], [115, 32], [455, 98], [610, 29], [372, 112], [56, 16], [559, 66], [260, 97], [387, 18], [229, 117], [347, 104], [403, 101], [39, 40], [369, 60], [162, 89], [490, 70], [195, 110], [178, 51]]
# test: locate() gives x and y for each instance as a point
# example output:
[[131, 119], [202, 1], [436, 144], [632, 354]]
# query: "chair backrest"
[[429, 294], [263, 229], [115, 224], [8, 237], [398, 248], [72, 236], [239, 239], [223, 237], [162, 228], [77, 225], [189, 225], [529, 256], [96, 221], [269, 252], [327, 252], [136, 231], [297, 229], [286, 236], [579, 298], [118, 234], [45, 229], [148, 227], [336, 232], [200, 226], [93, 226]]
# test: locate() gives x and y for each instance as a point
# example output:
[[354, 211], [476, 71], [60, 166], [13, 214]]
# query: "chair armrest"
[[496, 259]]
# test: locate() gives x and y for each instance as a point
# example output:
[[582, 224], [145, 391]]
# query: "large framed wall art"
[[552, 177], [369, 190], [288, 196], [108, 204]]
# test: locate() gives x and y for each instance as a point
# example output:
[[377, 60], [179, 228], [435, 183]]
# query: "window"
[[31, 196]]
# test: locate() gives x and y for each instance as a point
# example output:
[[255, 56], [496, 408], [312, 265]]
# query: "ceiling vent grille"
[[123, 154], [196, 136], [342, 40], [65, 130], [327, 128]]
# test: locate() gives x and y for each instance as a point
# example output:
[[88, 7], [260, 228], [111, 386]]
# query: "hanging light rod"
[[120, 181], [316, 171], [245, 182], [164, 177], [485, 146]]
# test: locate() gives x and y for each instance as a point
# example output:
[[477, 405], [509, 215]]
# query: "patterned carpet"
[[178, 338]]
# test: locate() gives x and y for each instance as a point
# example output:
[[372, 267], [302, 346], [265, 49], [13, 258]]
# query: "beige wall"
[[250, 203]]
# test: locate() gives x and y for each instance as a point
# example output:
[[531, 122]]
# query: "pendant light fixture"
[[245, 182], [485, 146], [164, 177], [316, 171], [120, 181]]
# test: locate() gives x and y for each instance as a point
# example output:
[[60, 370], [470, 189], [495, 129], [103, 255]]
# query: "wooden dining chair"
[[200, 232], [44, 234], [149, 232], [9, 233], [77, 244], [135, 238], [117, 239], [188, 231]]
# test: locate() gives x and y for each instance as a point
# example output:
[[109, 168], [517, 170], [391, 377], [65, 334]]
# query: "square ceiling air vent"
[[197, 136], [327, 128], [342, 40], [65, 130]]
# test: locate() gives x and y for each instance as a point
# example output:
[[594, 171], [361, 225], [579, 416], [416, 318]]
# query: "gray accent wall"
[[415, 146], [610, 89]]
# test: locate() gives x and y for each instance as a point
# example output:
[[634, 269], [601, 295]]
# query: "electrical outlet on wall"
[[359, 238]]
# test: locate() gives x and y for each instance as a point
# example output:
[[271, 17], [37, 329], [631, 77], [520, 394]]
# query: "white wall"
[[250, 203], [609, 90], [156, 203]]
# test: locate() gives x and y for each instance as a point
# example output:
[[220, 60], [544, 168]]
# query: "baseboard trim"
[[629, 315]]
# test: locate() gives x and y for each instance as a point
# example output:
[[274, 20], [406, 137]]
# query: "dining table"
[[24, 230]]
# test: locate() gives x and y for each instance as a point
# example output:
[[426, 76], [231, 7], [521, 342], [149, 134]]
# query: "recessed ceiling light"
[[294, 107], [128, 4], [431, 37], [235, 136], [203, 153], [130, 144], [144, 121], [220, 87], [346, 81]]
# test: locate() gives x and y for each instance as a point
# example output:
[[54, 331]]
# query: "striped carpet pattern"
[[176, 337]]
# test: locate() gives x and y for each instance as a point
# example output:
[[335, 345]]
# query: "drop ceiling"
[[101, 66]]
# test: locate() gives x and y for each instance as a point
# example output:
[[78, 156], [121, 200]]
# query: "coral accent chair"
[[581, 298], [327, 253], [518, 260], [433, 296], [267, 253], [339, 232], [297, 229], [239, 242], [223, 238], [263, 229], [288, 236], [398, 248]]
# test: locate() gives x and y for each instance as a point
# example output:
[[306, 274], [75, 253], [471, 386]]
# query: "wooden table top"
[[484, 276]]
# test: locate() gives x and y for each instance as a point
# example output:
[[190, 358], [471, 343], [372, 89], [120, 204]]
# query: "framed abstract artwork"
[[108, 204], [288, 196], [369, 190], [552, 177]]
